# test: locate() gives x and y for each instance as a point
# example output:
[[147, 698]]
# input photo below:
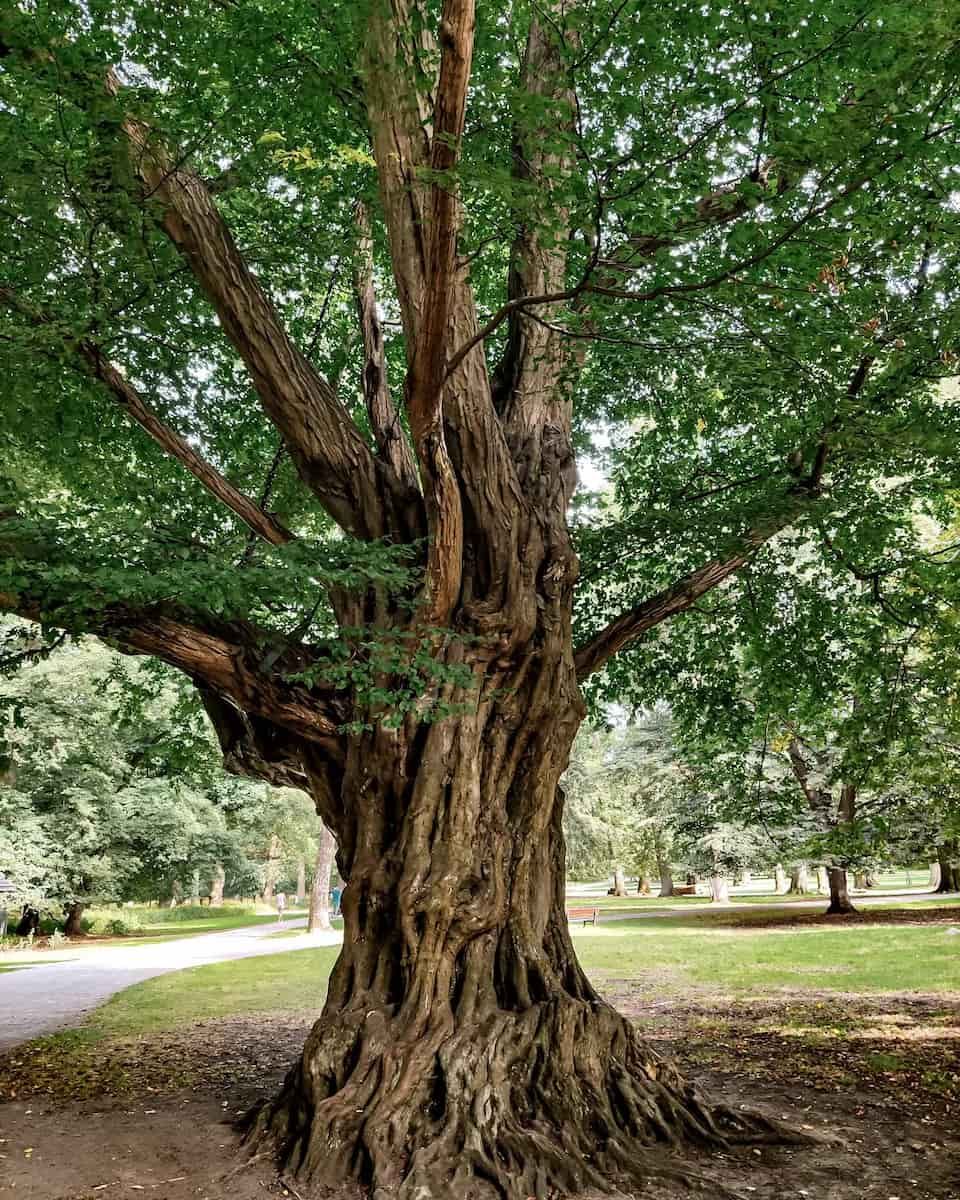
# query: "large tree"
[[719, 236]]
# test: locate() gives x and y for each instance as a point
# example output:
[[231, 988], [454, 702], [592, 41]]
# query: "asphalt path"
[[41, 999]]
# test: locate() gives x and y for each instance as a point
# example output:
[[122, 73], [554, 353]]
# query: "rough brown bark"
[[462, 1051], [319, 918]]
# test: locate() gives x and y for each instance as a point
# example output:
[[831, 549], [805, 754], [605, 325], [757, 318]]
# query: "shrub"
[[200, 912]]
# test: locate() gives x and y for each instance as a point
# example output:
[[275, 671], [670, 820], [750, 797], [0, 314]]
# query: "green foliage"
[[114, 790]]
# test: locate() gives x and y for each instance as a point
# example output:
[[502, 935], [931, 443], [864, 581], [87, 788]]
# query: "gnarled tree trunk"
[[462, 1051]]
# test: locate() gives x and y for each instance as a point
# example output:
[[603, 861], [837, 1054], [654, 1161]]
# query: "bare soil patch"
[[877, 1079], [783, 918]]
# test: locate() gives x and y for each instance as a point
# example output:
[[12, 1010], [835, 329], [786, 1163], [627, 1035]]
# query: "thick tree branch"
[[91, 360], [528, 383], [223, 659], [385, 423], [400, 59], [427, 374], [680, 596], [362, 494]]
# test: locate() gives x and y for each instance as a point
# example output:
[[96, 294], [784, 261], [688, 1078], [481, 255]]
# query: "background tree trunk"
[[72, 926], [216, 886], [319, 918], [666, 880], [780, 882], [860, 880], [619, 883], [839, 897], [643, 885], [176, 894], [195, 886], [934, 884], [719, 889], [823, 880], [799, 880], [301, 880], [271, 869], [948, 858]]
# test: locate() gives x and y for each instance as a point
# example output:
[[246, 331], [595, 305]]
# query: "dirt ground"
[[879, 1077]]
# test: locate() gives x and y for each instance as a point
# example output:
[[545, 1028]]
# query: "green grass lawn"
[[675, 953], [667, 956], [291, 982]]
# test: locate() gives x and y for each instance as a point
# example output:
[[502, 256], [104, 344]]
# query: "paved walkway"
[[40, 999], [815, 904]]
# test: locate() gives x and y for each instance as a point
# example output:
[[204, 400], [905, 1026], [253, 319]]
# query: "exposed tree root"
[[562, 1098]]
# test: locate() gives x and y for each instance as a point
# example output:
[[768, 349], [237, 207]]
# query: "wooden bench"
[[589, 916], [685, 889]]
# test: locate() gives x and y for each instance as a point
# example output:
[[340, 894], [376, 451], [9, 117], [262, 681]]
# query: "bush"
[[200, 912], [118, 927]]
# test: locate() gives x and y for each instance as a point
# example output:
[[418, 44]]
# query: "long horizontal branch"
[[224, 660], [683, 594], [91, 360]]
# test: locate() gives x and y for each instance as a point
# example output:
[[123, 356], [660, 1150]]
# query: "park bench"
[[685, 889], [589, 916]]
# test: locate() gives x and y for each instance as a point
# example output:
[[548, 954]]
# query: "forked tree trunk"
[[719, 889], [840, 902], [780, 881], [619, 883], [319, 918], [799, 880], [462, 1052], [216, 886]]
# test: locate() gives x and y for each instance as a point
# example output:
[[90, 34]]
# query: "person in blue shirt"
[[336, 894]]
